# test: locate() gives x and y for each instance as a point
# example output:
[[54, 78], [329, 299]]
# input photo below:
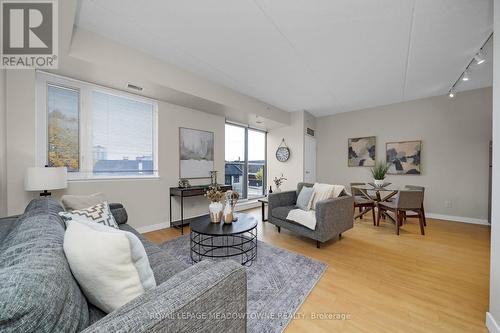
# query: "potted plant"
[[378, 172], [278, 182], [215, 195]]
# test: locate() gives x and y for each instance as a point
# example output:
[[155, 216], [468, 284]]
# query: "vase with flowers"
[[231, 200], [278, 181], [215, 195]]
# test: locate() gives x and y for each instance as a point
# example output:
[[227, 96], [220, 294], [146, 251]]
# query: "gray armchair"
[[333, 216]]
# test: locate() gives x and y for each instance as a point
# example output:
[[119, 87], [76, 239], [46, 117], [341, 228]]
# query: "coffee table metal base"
[[241, 247]]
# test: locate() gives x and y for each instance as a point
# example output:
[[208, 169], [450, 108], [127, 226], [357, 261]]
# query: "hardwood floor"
[[387, 283]]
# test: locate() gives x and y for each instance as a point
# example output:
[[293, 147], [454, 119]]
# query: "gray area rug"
[[278, 283]]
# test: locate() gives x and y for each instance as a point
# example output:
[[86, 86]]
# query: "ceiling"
[[323, 56]]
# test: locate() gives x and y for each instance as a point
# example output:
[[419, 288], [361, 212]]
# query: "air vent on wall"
[[133, 86], [310, 131]]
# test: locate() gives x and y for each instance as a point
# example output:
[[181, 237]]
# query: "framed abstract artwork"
[[196, 149], [361, 152], [404, 157]]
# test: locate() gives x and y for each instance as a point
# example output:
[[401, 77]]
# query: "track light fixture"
[[465, 76], [478, 59]]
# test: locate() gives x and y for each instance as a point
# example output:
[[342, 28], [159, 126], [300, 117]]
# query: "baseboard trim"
[[457, 218], [247, 205], [164, 225], [491, 324], [153, 227]]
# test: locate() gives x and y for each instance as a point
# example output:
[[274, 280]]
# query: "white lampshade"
[[40, 179]]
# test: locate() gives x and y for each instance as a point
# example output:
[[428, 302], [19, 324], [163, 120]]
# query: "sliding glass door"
[[245, 161]]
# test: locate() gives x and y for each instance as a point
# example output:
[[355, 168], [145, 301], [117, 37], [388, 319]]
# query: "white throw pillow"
[[324, 192], [100, 213], [110, 265]]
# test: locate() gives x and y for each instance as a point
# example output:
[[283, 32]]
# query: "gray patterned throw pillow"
[[99, 213]]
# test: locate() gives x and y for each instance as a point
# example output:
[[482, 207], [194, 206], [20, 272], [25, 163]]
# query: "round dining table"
[[377, 194]]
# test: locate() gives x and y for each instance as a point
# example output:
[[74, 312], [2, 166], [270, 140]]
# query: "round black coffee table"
[[237, 240]]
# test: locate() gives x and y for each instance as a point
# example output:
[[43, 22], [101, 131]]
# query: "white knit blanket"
[[307, 218]]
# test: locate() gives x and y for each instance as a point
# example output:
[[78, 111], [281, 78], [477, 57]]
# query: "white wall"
[[455, 136], [3, 139], [147, 201], [20, 98], [493, 316], [293, 169], [294, 135]]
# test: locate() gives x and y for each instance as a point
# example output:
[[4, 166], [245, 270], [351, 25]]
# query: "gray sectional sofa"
[[39, 294], [333, 216]]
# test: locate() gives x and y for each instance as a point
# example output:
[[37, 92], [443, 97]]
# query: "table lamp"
[[44, 179]]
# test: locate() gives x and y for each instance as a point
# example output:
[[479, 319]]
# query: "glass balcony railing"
[[234, 176], [255, 179]]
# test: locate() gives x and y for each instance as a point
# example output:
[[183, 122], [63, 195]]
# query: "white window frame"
[[43, 80]]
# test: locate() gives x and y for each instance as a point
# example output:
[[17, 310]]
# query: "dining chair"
[[406, 200], [361, 201], [416, 188]]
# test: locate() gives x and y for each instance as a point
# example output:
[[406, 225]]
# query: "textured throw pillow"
[[305, 197], [110, 265], [74, 202], [99, 213]]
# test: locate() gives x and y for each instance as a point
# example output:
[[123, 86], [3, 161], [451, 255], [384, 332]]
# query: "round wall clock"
[[283, 152]]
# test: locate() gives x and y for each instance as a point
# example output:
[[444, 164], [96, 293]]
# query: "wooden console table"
[[186, 192]]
